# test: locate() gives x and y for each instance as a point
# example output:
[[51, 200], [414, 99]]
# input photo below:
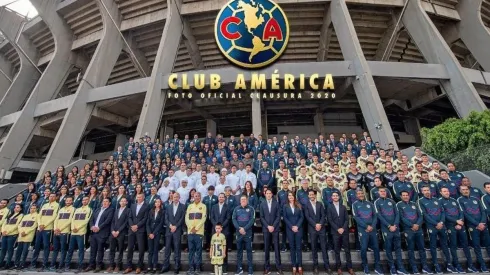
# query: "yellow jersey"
[[218, 245], [47, 215], [63, 219], [195, 217], [4, 212], [28, 226], [11, 225], [299, 178], [80, 219]]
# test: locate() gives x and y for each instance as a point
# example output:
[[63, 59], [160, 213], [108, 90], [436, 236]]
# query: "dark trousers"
[[153, 245], [433, 234], [415, 239], [97, 243], [208, 229], [119, 243], [367, 239], [7, 249], [76, 241], [274, 239], [477, 237], [461, 236], [172, 242], [244, 241], [195, 251], [294, 239], [22, 250], [137, 238], [392, 241], [284, 235], [341, 241], [43, 238], [60, 243], [314, 237]]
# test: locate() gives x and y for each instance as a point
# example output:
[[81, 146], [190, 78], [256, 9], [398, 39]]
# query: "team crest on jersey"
[[385, 234], [252, 33], [408, 185], [471, 229], [454, 203], [368, 206], [452, 184], [436, 203], [389, 203], [430, 230], [413, 207], [475, 202], [449, 231], [432, 185], [248, 210]]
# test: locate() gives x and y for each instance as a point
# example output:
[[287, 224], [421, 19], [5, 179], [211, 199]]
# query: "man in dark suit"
[[100, 225], [220, 213], [339, 221], [119, 230], [137, 233], [270, 217], [316, 217], [174, 223]]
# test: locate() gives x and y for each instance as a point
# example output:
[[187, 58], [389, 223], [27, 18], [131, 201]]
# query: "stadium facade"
[[86, 74]]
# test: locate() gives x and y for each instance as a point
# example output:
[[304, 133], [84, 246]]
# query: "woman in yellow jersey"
[[10, 232], [27, 230]]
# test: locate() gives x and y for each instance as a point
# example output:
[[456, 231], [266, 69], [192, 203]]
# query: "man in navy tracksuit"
[[434, 217], [403, 185], [446, 182], [243, 219], [476, 222], [265, 177], [455, 230], [389, 218], [365, 217], [411, 223]]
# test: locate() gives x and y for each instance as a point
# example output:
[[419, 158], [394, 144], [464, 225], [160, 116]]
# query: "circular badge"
[[454, 203], [248, 210], [251, 33], [430, 230], [436, 203], [389, 203], [475, 202], [408, 185], [413, 207], [432, 185], [368, 206]]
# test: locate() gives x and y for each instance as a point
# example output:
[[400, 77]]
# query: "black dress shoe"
[[165, 270]]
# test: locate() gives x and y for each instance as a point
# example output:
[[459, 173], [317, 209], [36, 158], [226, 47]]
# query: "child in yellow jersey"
[[218, 250], [10, 232], [27, 230]]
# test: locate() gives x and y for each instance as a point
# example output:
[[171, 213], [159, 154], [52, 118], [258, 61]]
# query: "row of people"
[[445, 218]]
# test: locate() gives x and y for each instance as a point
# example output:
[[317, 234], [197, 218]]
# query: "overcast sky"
[[23, 7]]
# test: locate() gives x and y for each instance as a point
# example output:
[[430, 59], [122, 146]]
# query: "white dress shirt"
[[213, 178], [336, 207], [184, 194], [164, 192], [99, 216], [233, 180], [120, 212], [138, 208]]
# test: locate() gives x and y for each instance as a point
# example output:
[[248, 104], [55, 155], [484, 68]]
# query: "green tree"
[[464, 141]]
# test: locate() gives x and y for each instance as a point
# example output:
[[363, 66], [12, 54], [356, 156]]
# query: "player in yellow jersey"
[[4, 211], [195, 218], [79, 222], [218, 249], [27, 230], [303, 175], [62, 230], [10, 231], [45, 222]]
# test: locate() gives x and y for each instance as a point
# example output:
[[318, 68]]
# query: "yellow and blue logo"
[[252, 33]]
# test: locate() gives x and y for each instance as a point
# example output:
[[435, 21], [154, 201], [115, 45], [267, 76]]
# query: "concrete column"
[[211, 127], [364, 86], [48, 86], [78, 115], [10, 25], [412, 127], [164, 63], [121, 140], [256, 117], [319, 124], [459, 89], [473, 32], [5, 80]]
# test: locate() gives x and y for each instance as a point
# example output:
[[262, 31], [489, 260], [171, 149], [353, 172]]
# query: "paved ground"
[[171, 273]]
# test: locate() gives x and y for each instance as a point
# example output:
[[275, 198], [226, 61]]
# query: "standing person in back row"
[[243, 219], [195, 218], [137, 233]]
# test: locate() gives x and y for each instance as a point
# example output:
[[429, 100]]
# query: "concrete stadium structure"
[[85, 74]]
